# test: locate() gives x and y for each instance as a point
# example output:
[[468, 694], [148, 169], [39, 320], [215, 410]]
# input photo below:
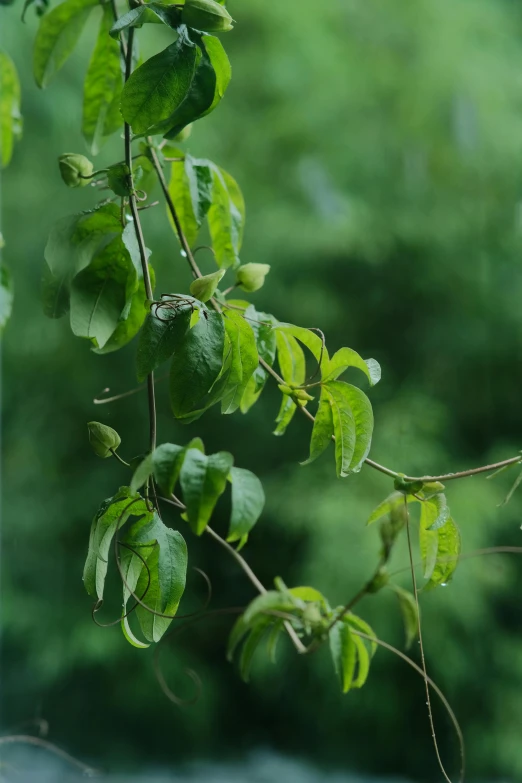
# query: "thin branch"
[[433, 685], [27, 739], [423, 659], [395, 474], [173, 213], [141, 242]]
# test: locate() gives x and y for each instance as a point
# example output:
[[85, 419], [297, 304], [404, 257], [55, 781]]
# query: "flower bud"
[[251, 277], [204, 287], [103, 439], [206, 15], [76, 170]]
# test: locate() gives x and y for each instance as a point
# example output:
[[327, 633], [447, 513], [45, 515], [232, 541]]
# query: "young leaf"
[[361, 625], [345, 358], [182, 196], [363, 662], [353, 425], [312, 341], [162, 333], [203, 480], [285, 415], [204, 288], [323, 429], [113, 513], [248, 500], [10, 117], [440, 548], [151, 13], [243, 362], [99, 294], [238, 632], [196, 364], [344, 654], [102, 88], [6, 295], [211, 77], [156, 89], [129, 328], [226, 218], [291, 359], [167, 461], [271, 601], [57, 36], [265, 334], [167, 567], [409, 613], [249, 648]]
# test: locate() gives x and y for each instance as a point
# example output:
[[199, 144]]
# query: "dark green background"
[[379, 148]]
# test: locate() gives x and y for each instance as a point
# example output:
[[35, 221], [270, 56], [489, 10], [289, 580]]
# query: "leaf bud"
[[103, 439], [206, 15], [204, 288], [251, 277], [76, 170]]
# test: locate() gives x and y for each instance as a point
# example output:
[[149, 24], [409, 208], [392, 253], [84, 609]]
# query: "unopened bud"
[[76, 170], [251, 277], [104, 440], [206, 15], [204, 288]]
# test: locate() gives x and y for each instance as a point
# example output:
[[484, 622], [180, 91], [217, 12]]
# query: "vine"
[[220, 348]]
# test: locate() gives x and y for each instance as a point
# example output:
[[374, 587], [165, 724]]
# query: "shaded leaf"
[[323, 429], [344, 654], [226, 218], [57, 36], [162, 333], [167, 461], [6, 295], [248, 500], [196, 364], [243, 361], [409, 613], [102, 88], [203, 480], [285, 415]]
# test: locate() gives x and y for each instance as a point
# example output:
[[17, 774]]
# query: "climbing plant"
[[221, 350]]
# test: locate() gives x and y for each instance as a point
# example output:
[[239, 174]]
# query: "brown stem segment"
[[141, 243]]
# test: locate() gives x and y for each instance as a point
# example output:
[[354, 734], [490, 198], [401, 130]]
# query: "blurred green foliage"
[[379, 147]]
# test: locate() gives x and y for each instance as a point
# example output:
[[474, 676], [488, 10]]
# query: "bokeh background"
[[379, 148]]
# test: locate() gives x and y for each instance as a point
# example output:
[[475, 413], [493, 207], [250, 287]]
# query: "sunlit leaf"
[[10, 117], [345, 358], [323, 429], [353, 425]]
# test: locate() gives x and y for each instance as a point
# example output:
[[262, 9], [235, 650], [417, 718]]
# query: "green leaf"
[[361, 625], [440, 548], [167, 461], [163, 333], [131, 638], [57, 36], [323, 429], [238, 632], [265, 334], [10, 117], [243, 362], [203, 480], [353, 425], [129, 328], [266, 603], [409, 613], [167, 565], [152, 13], [250, 395], [102, 88], [204, 288], [6, 295], [157, 88], [345, 358], [211, 77], [226, 218], [363, 662], [142, 473], [196, 364], [248, 500], [181, 194], [291, 358], [73, 243], [344, 654], [305, 593], [249, 648], [312, 341], [112, 515], [285, 415], [99, 294], [390, 504]]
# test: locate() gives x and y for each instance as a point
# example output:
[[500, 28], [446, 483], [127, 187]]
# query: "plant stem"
[[141, 242], [115, 454], [174, 214], [395, 474]]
